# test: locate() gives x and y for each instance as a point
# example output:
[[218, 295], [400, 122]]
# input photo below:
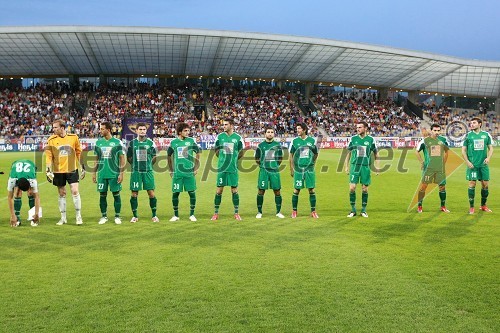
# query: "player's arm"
[[123, 163], [48, 162], [257, 156], [315, 152], [96, 164], [490, 153], [78, 152], [466, 159], [13, 217], [375, 161], [279, 158], [241, 150], [130, 153], [153, 153], [36, 218], [291, 163], [419, 157], [346, 161], [170, 153], [196, 163]]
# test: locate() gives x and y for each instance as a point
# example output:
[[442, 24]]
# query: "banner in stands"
[[129, 126], [208, 141]]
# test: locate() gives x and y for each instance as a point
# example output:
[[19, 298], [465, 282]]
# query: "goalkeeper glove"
[[50, 175], [82, 174]]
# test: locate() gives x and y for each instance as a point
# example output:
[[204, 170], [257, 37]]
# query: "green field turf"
[[392, 272]]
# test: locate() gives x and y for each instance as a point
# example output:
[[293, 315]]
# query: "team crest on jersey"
[[483, 136], [309, 144], [188, 143], [234, 140], [366, 143], [112, 144]]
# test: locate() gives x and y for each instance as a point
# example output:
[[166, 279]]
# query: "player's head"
[[228, 125], [302, 129], [141, 129], [362, 127], [23, 184], [475, 123], [269, 133], [58, 127], [435, 130], [183, 130], [105, 128]]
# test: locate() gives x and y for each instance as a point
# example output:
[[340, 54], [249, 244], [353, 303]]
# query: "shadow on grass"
[[457, 228]]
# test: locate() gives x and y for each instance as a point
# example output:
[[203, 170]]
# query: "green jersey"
[[184, 152], [477, 147], [23, 169], [434, 152], [229, 147], [108, 157], [361, 149], [141, 153], [270, 155], [303, 151]]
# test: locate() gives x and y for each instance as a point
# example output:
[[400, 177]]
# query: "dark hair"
[[60, 122], [435, 125], [303, 126], [478, 120], [364, 123], [229, 120], [141, 125], [107, 124], [268, 128], [23, 184], [180, 127]]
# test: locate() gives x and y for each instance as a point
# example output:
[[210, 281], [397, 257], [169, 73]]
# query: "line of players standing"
[[63, 159]]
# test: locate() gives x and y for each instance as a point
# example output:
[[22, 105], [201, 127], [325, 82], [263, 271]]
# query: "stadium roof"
[[40, 51]]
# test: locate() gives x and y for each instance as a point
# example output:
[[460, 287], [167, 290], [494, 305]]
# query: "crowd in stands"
[[32, 111], [254, 108], [339, 113]]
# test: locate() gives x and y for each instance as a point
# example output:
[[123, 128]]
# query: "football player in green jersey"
[[141, 154], [108, 171], [357, 166], [477, 150], [268, 156], [229, 149], [22, 178], [303, 155], [183, 163], [435, 150]]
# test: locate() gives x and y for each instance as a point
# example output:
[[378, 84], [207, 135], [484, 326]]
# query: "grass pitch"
[[392, 272]]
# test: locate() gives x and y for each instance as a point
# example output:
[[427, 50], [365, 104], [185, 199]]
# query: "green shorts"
[[304, 179], [227, 179], [112, 183], [435, 177], [360, 174], [269, 179], [181, 184], [142, 181], [478, 173]]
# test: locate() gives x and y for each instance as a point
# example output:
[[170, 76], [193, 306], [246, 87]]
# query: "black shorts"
[[60, 179]]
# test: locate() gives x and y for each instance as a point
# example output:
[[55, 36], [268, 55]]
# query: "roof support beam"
[[59, 57], [328, 62], [294, 63], [89, 52], [217, 56], [186, 52]]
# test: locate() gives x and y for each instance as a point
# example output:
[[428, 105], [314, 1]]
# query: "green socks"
[[312, 201], [152, 204], [260, 201], [278, 200], [103, 203], [352, 201], [175, 203], [117, 203], [192, 202], [236, 202], [442, 197], [295, 201], [364, 201], [134, 204], [472, 194], [18, 203], [31, 201], [484, 196], [421, 195], [217, 201]]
